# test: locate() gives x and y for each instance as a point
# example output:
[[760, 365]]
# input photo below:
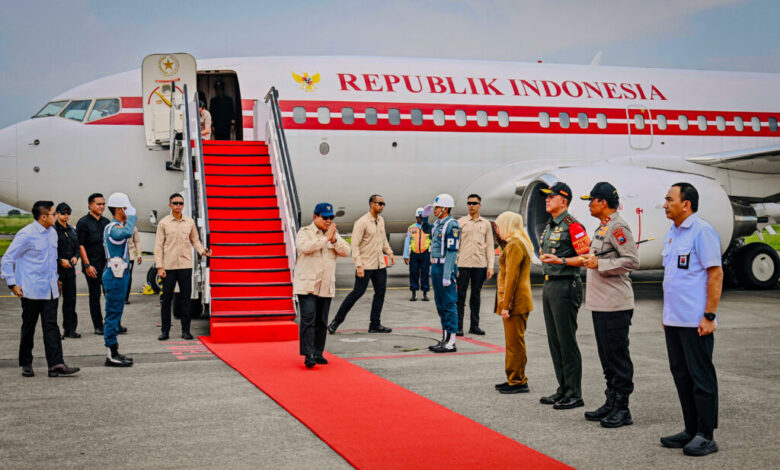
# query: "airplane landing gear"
[[757, 266]]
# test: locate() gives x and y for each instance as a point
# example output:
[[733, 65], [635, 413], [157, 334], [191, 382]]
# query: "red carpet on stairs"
[[250, 280], [371, 422]]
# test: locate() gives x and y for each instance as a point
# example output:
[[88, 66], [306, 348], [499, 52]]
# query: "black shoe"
[[676, 441], [620, 415], [333, 327], [308, 361], [414, 296], [425, 297], [443, 349], [603, 410], [700, 446], [163, 336], [318, 359], [99, 331], [567, 403], [379, 329], [127, 302], [27, 371], [551, 399], [122, 330], [443, 340], [475, 330], [62, 369], [502, 385], [514, 389], [71, 334], [186, 335], [114, 359], [459, 333]]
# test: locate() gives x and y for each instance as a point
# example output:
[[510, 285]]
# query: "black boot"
[[440, 343], [448, 345], [334, 325], [114, 359], [425, 296], [414, 296], [604, 410], [163, 335], [620, 415]]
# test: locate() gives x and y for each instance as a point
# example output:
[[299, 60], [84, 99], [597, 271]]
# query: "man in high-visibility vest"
[[416, 255]]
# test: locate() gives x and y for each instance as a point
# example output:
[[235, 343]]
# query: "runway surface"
[[180, 406]]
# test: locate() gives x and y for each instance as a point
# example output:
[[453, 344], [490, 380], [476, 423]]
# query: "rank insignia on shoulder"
[[619, 236], [568, 219]]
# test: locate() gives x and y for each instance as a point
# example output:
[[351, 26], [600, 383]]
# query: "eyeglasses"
[[177, 203], [380, 203], [473, 203], [65, 212], [330, 217]]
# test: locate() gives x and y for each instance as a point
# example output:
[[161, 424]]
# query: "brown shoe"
[[62, 369]]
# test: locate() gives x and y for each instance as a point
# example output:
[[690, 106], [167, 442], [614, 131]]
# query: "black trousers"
[[95, 286], [378, 278], [130, 280], [47, 310], [420, 271], [690, 360], [69, 318], [184, 278], [314, 323], [611, 330], [475, 276]]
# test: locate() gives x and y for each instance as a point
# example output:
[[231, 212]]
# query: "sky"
[[47, 47]]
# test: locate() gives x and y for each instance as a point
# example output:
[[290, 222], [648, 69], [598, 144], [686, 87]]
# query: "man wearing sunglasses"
[[369, 242], [176, 236], [476, 259], [318, 246], [67, 257], [93, 257]]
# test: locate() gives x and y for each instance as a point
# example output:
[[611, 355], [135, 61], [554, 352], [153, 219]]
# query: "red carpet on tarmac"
[[369, 421]]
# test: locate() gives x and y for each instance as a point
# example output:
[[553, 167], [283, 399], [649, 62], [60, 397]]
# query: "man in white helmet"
[[115, 276], [445, 241], [417, 256]]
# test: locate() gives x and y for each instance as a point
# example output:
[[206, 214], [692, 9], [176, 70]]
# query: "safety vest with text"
[[420, 241]]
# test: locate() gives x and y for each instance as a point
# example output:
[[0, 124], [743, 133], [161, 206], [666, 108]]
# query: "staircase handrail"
[[292, 189]]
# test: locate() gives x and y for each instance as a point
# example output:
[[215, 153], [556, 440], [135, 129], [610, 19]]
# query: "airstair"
[[246, 207]]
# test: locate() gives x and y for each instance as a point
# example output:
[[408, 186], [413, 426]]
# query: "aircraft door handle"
[[35, 142]]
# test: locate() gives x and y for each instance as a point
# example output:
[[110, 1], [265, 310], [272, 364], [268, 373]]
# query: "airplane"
[[411, 128]]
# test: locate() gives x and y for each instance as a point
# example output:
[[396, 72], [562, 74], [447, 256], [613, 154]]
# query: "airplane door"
[[34, 140], [640, 126], [163, 80]]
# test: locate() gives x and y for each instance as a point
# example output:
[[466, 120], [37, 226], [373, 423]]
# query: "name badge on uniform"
[[683, 261]]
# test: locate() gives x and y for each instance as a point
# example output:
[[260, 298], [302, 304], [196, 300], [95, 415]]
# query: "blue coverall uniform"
[[115, 238], [445, 241]]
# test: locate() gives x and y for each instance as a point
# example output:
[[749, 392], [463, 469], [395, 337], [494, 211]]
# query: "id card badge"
[[683, 261]]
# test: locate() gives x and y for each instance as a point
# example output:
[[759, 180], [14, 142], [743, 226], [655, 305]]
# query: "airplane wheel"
[[757, 266], [153, 279]]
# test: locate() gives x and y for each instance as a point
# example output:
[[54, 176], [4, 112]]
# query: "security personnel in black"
[[67, 257], [562, 241], [222, 113]]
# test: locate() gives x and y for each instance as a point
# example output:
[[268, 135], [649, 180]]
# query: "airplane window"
[[544, 119], [756, 124], [721, 122], [417, 117], [582, 120], [347, 115], [682, 121], [394, 116], [739, 124], [482, 118], [76, 110], [702, 120], [503, 119], [564, 121], [460, 117], [299, 114], [438, 117], [660, 121], [371, 116], [103, 108], [601, 120], [773, 124], [323, 115], [639, 121], [51, 109]]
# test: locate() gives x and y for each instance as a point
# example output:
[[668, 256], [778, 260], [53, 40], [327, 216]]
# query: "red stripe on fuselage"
[[132, 102], [247, 105], [122, 119]]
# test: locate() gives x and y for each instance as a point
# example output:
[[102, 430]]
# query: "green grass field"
[[12, 224], [771, 240], [4, 246]]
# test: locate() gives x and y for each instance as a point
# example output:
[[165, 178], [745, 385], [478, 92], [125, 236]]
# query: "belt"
[[552, 277], [438, 260]]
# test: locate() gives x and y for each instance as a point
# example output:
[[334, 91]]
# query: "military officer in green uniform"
[[562, 242]]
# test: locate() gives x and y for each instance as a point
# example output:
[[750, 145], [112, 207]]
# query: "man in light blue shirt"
[[29, 267], [693, 279]]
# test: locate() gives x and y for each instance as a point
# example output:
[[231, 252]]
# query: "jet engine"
[[642, 192]]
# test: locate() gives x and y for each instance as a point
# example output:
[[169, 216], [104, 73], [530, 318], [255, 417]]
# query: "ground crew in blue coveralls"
[[445, 241], [116, 275], [416, 254]]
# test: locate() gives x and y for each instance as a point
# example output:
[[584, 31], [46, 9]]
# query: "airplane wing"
[[757, 160]]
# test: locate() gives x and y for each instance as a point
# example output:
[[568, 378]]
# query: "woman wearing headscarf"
[[513, 297]]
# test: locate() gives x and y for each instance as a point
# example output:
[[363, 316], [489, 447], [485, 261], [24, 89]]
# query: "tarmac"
[[179, 406]]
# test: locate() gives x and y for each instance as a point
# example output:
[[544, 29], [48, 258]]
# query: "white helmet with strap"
[[118, 200], [418, 212], [444, 200]]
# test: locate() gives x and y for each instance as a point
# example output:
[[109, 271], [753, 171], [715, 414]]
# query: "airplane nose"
[[8, 188]]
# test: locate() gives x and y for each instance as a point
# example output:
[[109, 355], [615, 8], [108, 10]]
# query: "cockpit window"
[[103, 108], [51, 108], [76, 110]]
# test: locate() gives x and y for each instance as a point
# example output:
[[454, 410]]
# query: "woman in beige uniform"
[[513, 297]]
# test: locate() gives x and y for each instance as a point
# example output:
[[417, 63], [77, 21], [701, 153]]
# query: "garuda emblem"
[[307, 82]]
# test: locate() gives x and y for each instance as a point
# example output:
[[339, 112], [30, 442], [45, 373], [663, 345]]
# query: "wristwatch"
[[563, 261], [709, 316]]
